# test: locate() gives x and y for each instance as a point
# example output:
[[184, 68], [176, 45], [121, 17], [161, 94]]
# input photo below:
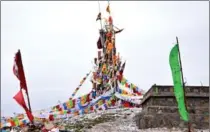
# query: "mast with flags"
[[178, 81], [18, 71]]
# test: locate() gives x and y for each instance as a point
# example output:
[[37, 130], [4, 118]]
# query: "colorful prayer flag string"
[[81, 82]]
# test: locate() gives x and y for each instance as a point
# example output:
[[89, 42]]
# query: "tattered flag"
[[119, 31], [99, 16], [19, 72]]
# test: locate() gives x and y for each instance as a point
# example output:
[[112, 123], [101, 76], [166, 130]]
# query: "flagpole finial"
[[177, 40]]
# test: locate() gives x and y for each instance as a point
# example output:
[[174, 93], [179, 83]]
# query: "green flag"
[[177, 80], [16, 121], [65, 112], [70, 103]]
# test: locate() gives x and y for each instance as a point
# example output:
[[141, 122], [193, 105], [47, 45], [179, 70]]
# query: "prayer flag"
[[108, 9], [177, 80], [99, 16], [18, 71], [20, 100]]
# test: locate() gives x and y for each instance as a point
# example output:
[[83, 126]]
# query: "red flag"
[[126, 85], [88, 97], [51, 117], [12, 123], [121, 72], [99, 44], [123, 67], [126, 104], [19, 72], [57, 107], [20, 100], [110, 20], [29, 114], [91, 108]]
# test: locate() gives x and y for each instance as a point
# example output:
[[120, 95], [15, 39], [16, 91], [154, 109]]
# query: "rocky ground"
[[115, 120]]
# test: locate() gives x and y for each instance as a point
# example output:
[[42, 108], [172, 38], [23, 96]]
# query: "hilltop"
[[113, 120]]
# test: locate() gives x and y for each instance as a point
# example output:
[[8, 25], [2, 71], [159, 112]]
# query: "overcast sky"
[[58, 43]]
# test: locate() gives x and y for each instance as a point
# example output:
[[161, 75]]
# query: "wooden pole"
[[183, 84], [99, 8], [101, 37]]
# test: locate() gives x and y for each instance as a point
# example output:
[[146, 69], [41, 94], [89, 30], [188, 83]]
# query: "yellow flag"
[[108, 9], [123, 92]]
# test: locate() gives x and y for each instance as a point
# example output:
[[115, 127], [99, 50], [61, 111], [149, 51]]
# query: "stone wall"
[[171, 101], [174, 110], [170, 120], [163, 112], [160, 108]]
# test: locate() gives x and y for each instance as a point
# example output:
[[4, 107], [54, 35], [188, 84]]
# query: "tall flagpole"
[[29, 105], [183, 84], [108, 2], [101, 37], [99, 8]]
